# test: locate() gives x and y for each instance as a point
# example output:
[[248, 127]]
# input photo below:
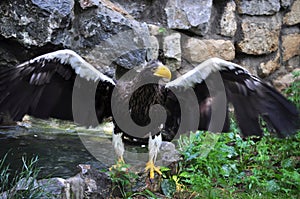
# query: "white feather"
[[118, 144], [202, 71], [81, 67], [154, 146]]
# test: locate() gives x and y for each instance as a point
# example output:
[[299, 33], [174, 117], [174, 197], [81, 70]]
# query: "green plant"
[[22, 184], [4, 175], [293, 91], [232, 165], [162, 30], [128, 184], [122, 179], [125, 183]]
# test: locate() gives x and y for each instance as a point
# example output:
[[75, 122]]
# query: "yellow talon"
[[119, 150], [120, 160], [119, 164], [152, 168]]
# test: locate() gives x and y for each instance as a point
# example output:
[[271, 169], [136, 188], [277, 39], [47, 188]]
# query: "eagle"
[[146, 104]]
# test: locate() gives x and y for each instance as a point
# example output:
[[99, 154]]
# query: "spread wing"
[[43, 86], [251, 97]]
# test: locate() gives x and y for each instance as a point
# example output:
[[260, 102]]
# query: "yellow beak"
[[163, 71]]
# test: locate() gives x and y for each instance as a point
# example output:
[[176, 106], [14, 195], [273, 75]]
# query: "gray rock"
[[261, 35], [258, 7], [228, 21], [154, 48], [172, 50], [151, 12], [32, 184], [135, 8], [155, 30], [97, 31], [250, 63], [53, 187], [285, 3], [92, 31], [291, 46], [88, 183], [282, 82], [34, 23], [98, 184], [24, 184], [267, 68], [89, 3], [63, 7], [196, 50], [190, 14], [169, 154], [293, 17], [293, 62]]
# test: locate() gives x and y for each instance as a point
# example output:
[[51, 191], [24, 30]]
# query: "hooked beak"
[[163, 71]]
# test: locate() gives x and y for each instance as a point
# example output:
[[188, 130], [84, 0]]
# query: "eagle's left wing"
[[251, 97], [43, 87]]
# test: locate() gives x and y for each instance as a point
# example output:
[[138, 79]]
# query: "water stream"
[[59, 145]]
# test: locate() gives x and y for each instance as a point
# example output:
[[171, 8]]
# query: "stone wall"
[[261, 35]]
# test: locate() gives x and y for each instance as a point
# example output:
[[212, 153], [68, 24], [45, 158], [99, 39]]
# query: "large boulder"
[[258, 7], [293, 17], [260, 36], [34, 23], [91, 29], [192, 15], [228, 21], [290, 46], [197, 50]]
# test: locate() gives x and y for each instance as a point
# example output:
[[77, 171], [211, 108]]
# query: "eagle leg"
[[153, 146], [118, 146]]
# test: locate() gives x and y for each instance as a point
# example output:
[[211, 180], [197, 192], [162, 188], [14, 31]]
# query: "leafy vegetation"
[[126, 183], [293, 91], [122, 179], [237, 168], [226, 166], [21, 184]]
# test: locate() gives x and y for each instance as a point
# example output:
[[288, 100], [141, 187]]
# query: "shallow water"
[[57, 144]]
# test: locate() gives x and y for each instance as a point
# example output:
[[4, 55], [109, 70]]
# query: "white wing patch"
[[203, 70], [81, 67]]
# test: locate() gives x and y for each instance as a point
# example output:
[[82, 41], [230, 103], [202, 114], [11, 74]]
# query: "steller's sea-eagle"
[[44, 87]]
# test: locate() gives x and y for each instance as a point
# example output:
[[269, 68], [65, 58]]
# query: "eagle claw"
[[152, 168]]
